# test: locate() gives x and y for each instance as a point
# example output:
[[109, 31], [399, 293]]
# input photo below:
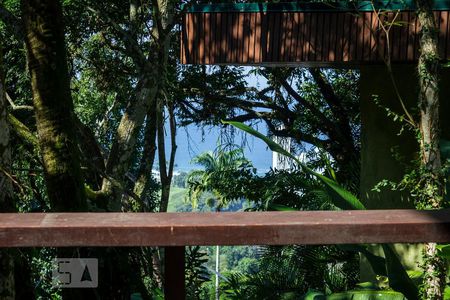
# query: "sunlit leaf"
[[398, 277], [346, 199]]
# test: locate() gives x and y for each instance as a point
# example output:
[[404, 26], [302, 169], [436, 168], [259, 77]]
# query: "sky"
[[194, 143]]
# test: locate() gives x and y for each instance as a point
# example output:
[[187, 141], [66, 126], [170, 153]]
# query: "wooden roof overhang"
[[309, 34]]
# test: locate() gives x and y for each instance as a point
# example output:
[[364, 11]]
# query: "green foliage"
[[196, 272], [222, 170], [177, 201], [41, 267], [365, 291], [422, 184], [287, 190], [447, 293], [367, 295], [234, 287], [444, 250], [377, 263], [312, 295], [398, 277], [342, 198], [289, 272]]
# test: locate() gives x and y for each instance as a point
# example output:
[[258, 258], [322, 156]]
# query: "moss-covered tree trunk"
[[47, 64], [6, 193], [433, 182], [54, 112]]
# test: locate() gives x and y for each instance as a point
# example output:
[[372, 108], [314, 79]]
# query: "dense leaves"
[[130, 95]]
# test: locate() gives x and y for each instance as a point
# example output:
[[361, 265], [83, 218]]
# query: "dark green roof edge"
[[404, 5]]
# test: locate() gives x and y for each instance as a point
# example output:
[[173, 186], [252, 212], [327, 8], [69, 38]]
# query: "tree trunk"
[[7, 290], [55, 121], [428, 70], [47, 64], [144, 178], [119, 159], [166, 172]]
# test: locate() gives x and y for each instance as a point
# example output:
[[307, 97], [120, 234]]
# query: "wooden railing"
[[176, 230]]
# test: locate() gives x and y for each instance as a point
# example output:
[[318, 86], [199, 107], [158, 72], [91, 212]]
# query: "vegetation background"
[[92, 99]]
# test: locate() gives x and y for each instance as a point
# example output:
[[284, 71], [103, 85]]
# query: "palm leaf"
[[377, 263], [367, 295], [280, 207], [345, 199], [398, 277]]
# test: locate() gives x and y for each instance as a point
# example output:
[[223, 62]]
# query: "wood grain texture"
[[240, 228], [309, 38]]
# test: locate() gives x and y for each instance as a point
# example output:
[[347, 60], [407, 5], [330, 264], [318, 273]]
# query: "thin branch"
[[103, 123], [299, 136], [386, 29], [111, 45], [334, 102], [131, 45], [18, 107], [22, 131], [173, 128], [327, 123]]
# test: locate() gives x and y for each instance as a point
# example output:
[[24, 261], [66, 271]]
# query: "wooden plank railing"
[[225, 228], [177, 230]]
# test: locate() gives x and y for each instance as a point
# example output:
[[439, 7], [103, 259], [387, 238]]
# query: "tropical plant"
[[221, 170], [309, 106], [196, 272], [343, 199], [289, 272], [367, 295]]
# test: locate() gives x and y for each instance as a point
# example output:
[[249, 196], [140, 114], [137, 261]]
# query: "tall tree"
[[311, 106], [54, 111], [433, 181], [53, 106], [7, 289], [143, 38]]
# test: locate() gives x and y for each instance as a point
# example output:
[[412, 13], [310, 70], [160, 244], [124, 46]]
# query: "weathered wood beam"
[[238, 228]]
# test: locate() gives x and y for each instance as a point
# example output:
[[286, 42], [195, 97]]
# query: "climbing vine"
[[425, 179]]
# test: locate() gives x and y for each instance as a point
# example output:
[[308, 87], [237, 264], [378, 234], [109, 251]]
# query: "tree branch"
[[22, 131], [132, 47], [326, 122], [335, 104], [18, 107]]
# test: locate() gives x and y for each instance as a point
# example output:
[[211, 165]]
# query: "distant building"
[[279, 161]]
